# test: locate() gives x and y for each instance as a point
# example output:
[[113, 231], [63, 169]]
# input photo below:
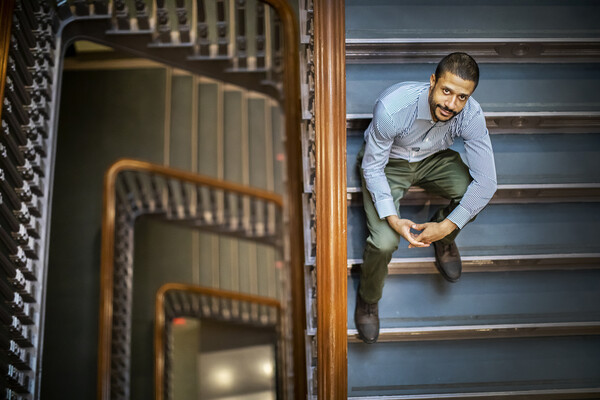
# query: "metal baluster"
[[63, 9], [100, 7], [121, 13], [260, 35], [240, 23], [160, 192], [133, 194], [144, 184], [82, 7], [182, 21], [223, 38], [277, 61], [141, 13], [169, 346], [162, 22], [202, 30]]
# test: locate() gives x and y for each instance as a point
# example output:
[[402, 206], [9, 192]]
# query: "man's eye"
[[462, 98], [446, 91]]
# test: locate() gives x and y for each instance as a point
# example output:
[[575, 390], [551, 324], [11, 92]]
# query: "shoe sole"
[[443, 273], [361, 337]]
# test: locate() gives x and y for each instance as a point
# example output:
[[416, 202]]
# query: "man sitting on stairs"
[[407, 143]]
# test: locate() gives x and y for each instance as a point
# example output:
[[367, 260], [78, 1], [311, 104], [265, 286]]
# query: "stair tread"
[[473, 366], [501, 230], [503, 87], [506, 298], [537, 161], [510, 19]]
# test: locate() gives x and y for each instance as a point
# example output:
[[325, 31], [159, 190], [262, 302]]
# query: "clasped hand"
[[429, 232]]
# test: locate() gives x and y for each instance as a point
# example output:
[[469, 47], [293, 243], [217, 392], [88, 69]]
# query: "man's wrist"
[[392, 217], [448, 225]]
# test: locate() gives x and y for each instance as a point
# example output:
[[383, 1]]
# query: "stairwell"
[[230, 124]]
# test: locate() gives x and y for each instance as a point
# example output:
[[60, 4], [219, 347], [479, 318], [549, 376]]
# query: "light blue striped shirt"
[[402, 127]]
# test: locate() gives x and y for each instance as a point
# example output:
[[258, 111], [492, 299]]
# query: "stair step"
[[465, 368], [482, 298], [502, 87], [537, 161], [467, 332], [501, 230], [514, 19]]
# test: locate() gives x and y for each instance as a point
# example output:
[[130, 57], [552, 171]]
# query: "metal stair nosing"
[[486, 50], [508, 122], [548, 394], [506, 194], [470, 332], [525, 262]]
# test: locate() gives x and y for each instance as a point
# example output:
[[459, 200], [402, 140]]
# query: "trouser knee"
[[383, 245]]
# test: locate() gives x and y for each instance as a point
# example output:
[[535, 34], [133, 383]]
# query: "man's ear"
[[432, 80]]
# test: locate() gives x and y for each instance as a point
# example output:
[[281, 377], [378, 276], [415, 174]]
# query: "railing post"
[[330, 191]]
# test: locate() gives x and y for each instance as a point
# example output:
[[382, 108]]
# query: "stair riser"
[[485, 299], [502, 87], [473, 366]]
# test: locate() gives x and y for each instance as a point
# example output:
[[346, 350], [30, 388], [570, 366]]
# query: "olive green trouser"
[[443, 174]]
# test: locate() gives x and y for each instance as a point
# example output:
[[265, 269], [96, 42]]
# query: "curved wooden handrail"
[[160, 321], [108, 244], [6, 11], [293, 209], [292, 111], [129, 164]]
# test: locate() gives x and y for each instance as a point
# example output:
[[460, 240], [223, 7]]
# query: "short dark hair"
[[459, 64]]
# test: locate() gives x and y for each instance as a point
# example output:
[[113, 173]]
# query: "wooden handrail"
[[160, 321], [293, 209], [108, 245], [6, 11], [330, 190]]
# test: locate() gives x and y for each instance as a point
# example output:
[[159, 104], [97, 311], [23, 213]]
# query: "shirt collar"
[[423, 106]]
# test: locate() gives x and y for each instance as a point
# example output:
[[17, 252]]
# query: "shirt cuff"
[[460, 216], [385, 208]]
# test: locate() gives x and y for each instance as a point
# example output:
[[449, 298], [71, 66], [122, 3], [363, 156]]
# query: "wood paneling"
[[330, 189]]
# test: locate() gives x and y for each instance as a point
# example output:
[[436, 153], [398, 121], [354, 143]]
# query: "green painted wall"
[[109, 114]]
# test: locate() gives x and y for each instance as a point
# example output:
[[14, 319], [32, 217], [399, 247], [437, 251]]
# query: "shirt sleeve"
[[480, 159], [379, 138]]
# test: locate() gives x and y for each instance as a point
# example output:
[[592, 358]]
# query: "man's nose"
[[451, 103]]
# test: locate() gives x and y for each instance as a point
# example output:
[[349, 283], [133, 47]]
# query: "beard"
[[433, 106]]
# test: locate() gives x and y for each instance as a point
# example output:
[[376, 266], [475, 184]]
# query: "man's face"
[[448, 96]]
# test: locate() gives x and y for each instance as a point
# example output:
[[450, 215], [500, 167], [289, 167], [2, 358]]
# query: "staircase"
[[240, 43], [135, 189], [524, 320]]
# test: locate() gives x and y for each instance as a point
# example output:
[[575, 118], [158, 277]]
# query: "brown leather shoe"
[[447, 261], [366, 319]]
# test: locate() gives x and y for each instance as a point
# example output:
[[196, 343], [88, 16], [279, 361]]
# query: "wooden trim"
[[477, 332], [6, 11], [160, 322], [330, 185], [293, 118], [108, 246]]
